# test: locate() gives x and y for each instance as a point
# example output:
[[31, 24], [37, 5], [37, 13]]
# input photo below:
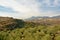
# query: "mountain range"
[[43, 17]]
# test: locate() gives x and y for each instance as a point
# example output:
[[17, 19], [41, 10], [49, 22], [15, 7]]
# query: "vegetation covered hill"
[[17, 29], [7, 23]]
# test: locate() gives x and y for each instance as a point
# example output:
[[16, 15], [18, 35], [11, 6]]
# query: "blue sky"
[[27, 8]]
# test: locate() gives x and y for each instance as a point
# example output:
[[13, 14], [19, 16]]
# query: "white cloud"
[[25, 8]]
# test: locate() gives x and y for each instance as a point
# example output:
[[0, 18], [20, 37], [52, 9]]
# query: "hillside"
[[45, 20], [18, 29], [10, 23]]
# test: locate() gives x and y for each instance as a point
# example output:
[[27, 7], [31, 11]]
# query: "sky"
[[28, 8]]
